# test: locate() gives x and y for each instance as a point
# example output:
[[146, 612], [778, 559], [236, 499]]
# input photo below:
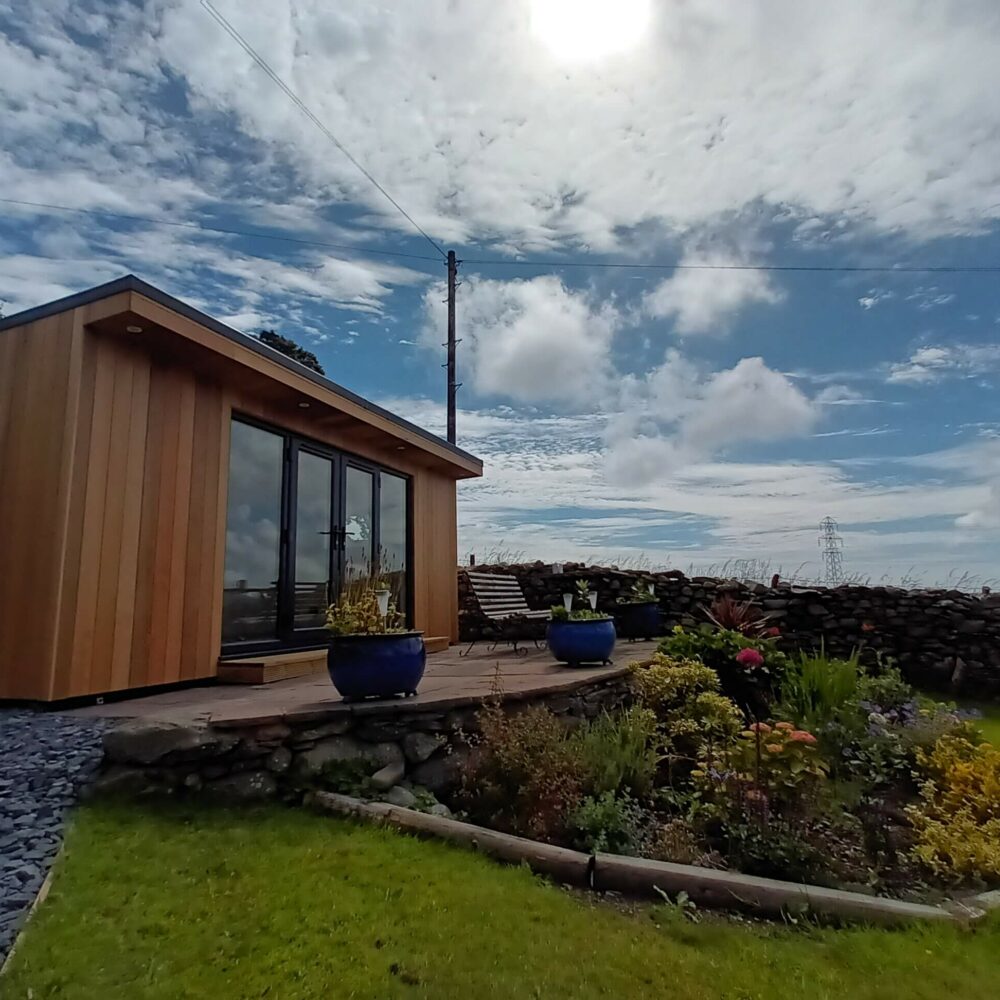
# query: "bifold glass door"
[[303, 523], [313, 569]]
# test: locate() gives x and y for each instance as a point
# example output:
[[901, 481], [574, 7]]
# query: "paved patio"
[[450, 681]]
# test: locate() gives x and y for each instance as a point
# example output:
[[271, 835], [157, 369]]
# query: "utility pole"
[[452, 384]]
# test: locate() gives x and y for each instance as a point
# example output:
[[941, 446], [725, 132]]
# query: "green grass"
[[174, 902], [989, 724]]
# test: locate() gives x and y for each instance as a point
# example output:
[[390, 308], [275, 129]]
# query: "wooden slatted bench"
[[501, 599]]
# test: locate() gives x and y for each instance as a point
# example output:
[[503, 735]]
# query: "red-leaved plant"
[[738, 616]]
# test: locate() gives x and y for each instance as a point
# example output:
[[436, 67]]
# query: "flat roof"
[[130, 283]]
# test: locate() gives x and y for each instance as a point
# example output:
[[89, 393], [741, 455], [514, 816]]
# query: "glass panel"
[[358, 515], [392, 536], [312, 540], [253, 535]]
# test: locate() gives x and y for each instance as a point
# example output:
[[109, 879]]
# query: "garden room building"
[[180, 502]]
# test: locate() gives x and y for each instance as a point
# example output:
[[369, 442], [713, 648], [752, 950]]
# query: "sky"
[[694, 417]]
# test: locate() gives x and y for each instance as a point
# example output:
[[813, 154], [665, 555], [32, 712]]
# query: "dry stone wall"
[[399, 746], [942, 639]]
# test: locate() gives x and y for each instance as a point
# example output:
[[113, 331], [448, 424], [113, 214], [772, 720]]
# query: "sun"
[[580, 30]]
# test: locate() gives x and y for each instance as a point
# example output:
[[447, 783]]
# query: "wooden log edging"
[[649, 879]]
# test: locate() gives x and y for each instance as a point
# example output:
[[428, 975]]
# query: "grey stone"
[[391, 774], [274, 733], [346, 748], [419, 746], [148, 742], [247, 786], [46, 762], [399, 796], [336, 727], [381, 730], [440, 809], [120, 779], [279, 760], [441, 773]]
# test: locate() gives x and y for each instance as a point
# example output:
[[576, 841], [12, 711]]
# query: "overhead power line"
[[151, 221], [676, 266], [499, 262], [301, 105]]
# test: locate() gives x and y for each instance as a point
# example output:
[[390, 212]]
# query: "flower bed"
[[737, 756]]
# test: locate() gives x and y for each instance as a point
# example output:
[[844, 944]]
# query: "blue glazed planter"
[[376, 666], [639, 621], [588, 641]]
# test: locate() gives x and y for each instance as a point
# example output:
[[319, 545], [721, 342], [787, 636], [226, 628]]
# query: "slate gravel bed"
[[45, 761]]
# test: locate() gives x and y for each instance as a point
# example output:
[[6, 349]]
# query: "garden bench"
[[501, 600]]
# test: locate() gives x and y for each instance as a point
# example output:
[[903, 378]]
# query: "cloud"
[[707, 301], [874, 297], [985, 514], [547, 492], [675, 416], [843, 395], [853, 112], [930, 298], [930, 364], [532, 340]]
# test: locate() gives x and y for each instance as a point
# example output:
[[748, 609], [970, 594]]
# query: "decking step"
[[282, 666], [277, 667]]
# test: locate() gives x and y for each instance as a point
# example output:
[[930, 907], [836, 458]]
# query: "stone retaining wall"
[[399, 746], [943, 639]]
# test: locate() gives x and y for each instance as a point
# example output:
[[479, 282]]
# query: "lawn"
[[989, 723], [181, 902]]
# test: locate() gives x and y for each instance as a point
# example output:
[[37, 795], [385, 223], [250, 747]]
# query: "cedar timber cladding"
[[113, 473]]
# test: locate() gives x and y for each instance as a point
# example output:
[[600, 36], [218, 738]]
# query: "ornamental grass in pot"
[[371, 653]]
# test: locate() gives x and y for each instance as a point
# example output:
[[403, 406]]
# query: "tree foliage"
[[290, 349]]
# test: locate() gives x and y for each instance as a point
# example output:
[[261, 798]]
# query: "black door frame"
[[288, 637]]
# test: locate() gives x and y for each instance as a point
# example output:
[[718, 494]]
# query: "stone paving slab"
[[450, 681]]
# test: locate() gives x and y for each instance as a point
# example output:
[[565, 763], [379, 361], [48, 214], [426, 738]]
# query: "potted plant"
[[580, 636], [639, 612], [371, 654]]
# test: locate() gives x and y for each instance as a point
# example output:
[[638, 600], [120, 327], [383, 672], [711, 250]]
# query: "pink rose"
[[801, 736], [749, 658]]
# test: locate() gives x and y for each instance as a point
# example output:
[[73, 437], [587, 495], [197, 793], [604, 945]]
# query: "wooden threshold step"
[[282, 666], [275, 667]]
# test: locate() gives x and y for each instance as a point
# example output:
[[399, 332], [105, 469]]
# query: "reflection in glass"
[[392, 536], [253, 535], [358, 516], [312, 540]]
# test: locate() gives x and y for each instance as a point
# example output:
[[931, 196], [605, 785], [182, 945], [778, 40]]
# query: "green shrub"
[[814, 689], [618, 752], [524, 775], [608, 822], [692, 714], [957, 821], [776, 849], [747, 679], [770, 770]]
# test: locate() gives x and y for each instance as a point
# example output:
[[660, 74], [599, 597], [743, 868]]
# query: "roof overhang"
[[185, 335]]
